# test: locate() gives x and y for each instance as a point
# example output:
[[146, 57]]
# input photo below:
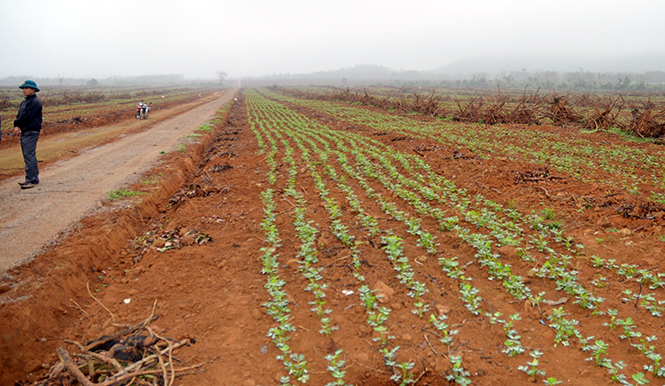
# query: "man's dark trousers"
[[29, 148]]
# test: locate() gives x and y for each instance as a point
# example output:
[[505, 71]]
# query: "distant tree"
[[221, 75], [625, 85], [61, 78], [92, 82]]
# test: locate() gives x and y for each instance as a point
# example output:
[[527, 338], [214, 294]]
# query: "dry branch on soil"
[[136, 355], [539, 174], [191, 191]]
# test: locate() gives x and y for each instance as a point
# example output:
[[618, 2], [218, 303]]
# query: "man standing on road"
[[28, 124]]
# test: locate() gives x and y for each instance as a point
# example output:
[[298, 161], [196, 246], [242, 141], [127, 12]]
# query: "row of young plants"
[[278, 304], [413, 227]]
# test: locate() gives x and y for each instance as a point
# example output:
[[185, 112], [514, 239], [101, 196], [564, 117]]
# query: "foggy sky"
[[195, 38]]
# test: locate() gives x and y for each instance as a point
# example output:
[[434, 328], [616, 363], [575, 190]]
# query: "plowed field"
[[327, 243]]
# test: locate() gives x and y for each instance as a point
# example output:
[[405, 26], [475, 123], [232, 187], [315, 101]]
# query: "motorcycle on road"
[[142, 112]]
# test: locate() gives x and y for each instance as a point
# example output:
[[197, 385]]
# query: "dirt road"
[[31, 219]]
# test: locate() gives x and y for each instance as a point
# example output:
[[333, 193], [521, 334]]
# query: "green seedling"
[[613, 317], [532, 368], [440, 324], [640, 379], [628, 326], [336, 367], [421, 308], [565, 329], [597, 350], [403, 376], [459, 375], [613, 370]]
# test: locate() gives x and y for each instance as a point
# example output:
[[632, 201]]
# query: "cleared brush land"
[[335, 243], [71, 109]]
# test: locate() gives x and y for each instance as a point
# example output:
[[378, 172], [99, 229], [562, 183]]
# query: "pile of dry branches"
[[604, 113], [595, 112], [559, 112], [486, 109], [5, 102], [163, 240], [137, 355], [648, 122]]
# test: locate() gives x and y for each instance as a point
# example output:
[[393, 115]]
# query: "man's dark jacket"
[[29, 117]]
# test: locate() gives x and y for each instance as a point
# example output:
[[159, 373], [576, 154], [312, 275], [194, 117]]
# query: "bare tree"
[[61, 78], [221, 75]]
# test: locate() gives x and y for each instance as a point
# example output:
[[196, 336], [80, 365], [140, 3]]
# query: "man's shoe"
[[23, 183], [29, 185]]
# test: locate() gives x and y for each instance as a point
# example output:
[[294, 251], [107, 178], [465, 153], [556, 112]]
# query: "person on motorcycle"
[[141, 110]]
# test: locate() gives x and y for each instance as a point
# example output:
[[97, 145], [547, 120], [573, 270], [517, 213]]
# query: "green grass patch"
[[114, 195], [548, 213], [151, 180], [628, 135], [192, 136], [205, 128]]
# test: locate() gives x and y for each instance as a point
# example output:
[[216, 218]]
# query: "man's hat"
[[29, 84]]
